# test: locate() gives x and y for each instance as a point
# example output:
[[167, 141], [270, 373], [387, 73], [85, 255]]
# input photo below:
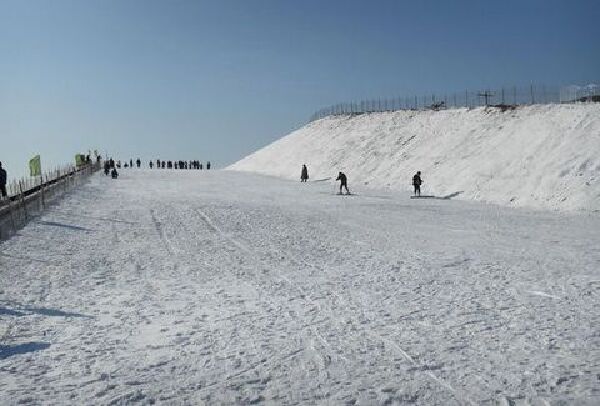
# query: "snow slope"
[[189, 287], [544, 156]]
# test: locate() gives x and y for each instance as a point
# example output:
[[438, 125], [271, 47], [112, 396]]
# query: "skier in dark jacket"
[[2, 181], [343, 182], [417, 181], [304, 174]]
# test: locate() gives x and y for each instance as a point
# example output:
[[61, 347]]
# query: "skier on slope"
[[304, 174], [417, 181], [343, 183]]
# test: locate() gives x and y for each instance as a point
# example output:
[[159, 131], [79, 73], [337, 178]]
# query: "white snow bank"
[[545, 156]]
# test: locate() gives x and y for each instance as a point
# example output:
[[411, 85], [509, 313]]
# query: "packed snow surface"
[[543, 156], [190, 287]]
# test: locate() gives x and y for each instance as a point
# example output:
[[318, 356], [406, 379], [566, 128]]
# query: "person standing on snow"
[[343, 183], [304, 174], [2, 181], [417, 181]]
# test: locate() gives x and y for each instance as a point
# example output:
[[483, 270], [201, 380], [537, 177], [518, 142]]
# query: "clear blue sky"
[[215, 80]]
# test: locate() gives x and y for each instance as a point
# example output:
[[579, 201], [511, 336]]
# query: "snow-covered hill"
[[545, 156]]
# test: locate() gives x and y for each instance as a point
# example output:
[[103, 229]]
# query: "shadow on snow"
[[10, 350], [68, 226], [19, 311]]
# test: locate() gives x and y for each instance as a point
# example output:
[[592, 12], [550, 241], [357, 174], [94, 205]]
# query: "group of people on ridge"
[[111, 166], [178, 165], [416, 181]]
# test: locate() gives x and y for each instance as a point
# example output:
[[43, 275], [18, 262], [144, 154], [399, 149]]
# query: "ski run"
[[224, 287]]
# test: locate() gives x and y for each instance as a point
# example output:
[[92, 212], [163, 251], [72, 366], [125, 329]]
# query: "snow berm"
[[541, 156]]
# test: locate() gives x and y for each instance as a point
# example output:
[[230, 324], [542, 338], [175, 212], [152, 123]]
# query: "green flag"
[[35, 166], [79, 160]]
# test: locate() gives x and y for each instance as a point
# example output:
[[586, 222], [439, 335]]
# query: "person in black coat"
[[304, 174], [343, 182], [2, 180], [417, 181]]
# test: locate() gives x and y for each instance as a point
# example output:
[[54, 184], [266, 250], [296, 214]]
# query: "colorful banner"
[[35, 166], [79, 159]]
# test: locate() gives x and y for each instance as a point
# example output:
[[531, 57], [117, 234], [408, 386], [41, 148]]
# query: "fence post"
[[23, 201], [42, 191], [12, 218], [532, 96], [544, 94]]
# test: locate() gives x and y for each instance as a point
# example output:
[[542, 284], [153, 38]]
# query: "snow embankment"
[[545, 156]]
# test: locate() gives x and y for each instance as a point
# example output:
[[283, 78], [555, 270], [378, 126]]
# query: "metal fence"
[[505, 96], [28, 197]]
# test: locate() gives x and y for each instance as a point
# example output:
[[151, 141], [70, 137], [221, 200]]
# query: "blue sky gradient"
[[215, 80]]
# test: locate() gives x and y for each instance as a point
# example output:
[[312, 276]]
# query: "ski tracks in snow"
[[343, 301], [274, 271], [200, 288]]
